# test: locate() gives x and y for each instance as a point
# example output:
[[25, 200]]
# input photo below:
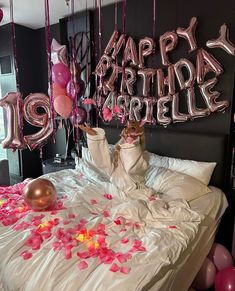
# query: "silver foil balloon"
[[189, 33], [193, 111], [146, 48], [43, 120], [135, 108], [222, 41], [168, 41], [162, 109], [184, 63], [210, 97]]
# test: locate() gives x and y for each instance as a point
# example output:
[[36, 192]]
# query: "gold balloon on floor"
[[40, 194]]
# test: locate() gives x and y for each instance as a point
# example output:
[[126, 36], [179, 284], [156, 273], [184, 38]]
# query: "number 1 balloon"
[[11, 103]]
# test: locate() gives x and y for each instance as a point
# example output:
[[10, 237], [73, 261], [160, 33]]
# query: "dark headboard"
[[186, 145]]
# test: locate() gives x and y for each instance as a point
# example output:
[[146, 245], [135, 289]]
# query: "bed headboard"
[[186, 145]]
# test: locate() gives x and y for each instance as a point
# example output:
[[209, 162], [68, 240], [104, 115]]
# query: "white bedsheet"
[[161, 233]]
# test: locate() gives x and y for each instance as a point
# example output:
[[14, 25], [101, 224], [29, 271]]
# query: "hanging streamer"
[[49, 63], [19, 99]]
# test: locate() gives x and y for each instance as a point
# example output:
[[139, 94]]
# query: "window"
[[5, 65]]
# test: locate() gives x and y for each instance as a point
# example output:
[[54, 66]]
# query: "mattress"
[[212, 206], [152, 246]]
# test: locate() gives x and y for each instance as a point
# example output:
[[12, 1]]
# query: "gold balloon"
[[40, 194]]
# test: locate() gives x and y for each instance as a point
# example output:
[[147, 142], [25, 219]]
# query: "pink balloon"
[[220, 256], [79, 116], [71, 91], [1, 14], [70, 88], [63, 105], [225, 280], [61, 74], [205, 277]]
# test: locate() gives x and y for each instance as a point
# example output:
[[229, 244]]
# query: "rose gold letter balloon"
[[40, 194]]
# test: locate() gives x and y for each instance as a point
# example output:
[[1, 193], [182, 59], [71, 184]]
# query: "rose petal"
[[71, 216], [114, 268], [82, 265], [93, 201], [106, 213], [124, 240], [125, 270], [108, 196], [121, 258], [26, 255]]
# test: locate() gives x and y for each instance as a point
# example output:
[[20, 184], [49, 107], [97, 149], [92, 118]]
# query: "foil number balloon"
[[12, 103]]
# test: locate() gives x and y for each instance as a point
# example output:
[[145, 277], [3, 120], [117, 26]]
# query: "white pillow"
[[199, 170], [174, 185]]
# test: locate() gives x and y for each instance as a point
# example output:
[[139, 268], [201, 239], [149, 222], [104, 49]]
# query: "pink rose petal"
[[71, 216], [137, 243], [124, 240], [93, 201], [125, 270], [114, 268], [82, 265], [26, 255], [106, 213], [121, 258], [108, 196]]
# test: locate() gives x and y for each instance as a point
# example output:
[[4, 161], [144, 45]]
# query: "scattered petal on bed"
[[108, 196], [67, 253], [114, 268], [26, 255], [106, 213], [93, 202], [82, 265], [125, 270], [124, 240], [172, 226], [71, 216], [121, 258]]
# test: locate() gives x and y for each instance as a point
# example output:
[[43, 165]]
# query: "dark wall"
[[171, 14]]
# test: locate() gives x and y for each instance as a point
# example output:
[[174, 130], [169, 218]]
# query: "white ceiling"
[[31, 13]]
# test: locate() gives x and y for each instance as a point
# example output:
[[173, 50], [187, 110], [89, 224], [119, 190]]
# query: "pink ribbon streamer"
[[19, 100], [49, 63]]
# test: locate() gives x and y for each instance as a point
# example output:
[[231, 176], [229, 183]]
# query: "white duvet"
[[102, 240]]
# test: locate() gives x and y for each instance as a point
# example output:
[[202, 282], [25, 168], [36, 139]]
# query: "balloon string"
[[124, 32], [116, 16], [19, 99], [74, 69], [49, 63], [124, 16], [14, 45], [154, 19]]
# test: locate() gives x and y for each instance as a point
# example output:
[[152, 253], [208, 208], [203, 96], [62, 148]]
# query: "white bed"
[[165, 239]]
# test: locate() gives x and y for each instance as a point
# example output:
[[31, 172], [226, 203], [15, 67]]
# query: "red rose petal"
[[93, 201], [106, 213], [114, 268], [108, 196], [125, 270], [71, 216], [82, 265], [26, 255], [124, 240]]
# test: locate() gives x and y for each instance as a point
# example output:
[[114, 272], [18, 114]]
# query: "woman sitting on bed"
[[127, 167]]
